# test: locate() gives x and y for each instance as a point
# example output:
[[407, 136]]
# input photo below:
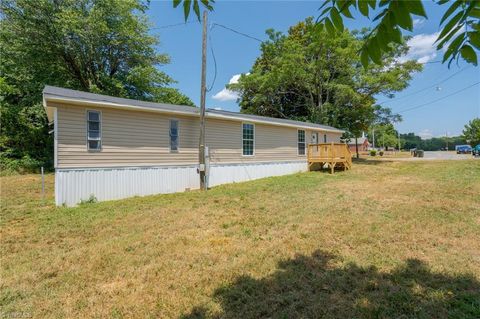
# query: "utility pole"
[[446, 139], [373, 137], [356, 146], [201, 142], [398, 137]]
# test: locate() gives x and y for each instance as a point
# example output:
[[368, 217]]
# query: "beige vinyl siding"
[[331, 137], [272, 143], [135, 138], [129, 138]]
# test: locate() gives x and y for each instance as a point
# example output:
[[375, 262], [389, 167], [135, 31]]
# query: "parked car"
[[476, 151], [463, 149]]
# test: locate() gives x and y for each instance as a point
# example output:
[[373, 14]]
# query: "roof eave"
[[60, 99]]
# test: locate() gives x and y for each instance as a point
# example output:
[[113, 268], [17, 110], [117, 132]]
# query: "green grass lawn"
[[385, 240]]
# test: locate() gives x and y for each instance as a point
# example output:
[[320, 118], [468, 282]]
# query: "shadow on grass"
[[314, 286], [369, 161]]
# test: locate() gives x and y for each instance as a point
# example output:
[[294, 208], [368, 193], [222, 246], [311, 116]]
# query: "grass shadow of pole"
[[316, 287]]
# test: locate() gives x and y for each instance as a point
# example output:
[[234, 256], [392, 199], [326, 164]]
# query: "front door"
[[314, 137]]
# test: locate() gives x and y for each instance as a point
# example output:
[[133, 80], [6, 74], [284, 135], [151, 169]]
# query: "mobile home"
[[111, 148]]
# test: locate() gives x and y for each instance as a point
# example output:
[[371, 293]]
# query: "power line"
[[426, 88], [238, 32], [172, 25], [214, 59], [442, 98]]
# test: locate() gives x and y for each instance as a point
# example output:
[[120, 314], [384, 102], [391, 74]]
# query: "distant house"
[[113, 148], [363, 144]]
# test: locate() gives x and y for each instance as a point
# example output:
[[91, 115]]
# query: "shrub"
[[91, 200], [26, 164], [373, 152], [380, 153]]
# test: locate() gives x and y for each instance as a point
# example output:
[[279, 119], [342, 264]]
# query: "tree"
[[411, 140], [96, 46], [385, 136], [471, 132], [461, 24], [308, 75]]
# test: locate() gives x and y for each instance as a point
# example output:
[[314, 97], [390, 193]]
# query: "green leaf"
[[196, 9], [363, 7], [450, 24], [345, 11], [416, 7], [374, 50], [325, 11], [329, 26], [468, 54], [186, 8], [176, 3], [448, 37], [383, 3], [371, 3], [475, 13], [474, 39], [380, 15], [337, 19], [453, 47], [324, 4], [206, 4], [364, 59], [402, 16], [397, 35], [450, 10]]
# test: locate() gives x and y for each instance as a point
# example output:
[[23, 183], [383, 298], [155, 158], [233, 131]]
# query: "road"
[[438, 155]]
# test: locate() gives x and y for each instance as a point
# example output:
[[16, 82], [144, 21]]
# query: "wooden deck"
[[331, 154]]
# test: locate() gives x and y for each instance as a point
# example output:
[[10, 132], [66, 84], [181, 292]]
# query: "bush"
[[26, 164], [373, 152], [91, 200], [380, 153]]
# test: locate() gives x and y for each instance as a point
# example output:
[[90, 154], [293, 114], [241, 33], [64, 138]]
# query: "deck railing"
[[330, 153]]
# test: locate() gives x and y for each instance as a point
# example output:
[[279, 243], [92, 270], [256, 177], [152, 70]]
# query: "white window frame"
[[100, 138], [253, 125], [170, 136], [304, 142]]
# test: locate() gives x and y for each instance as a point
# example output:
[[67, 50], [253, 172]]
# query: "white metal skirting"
[[74, 185], [234, 173]]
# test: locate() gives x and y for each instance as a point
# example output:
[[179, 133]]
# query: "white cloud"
[[421, 48], [425, 134], [418, 23], [226, 94], [217, 108]]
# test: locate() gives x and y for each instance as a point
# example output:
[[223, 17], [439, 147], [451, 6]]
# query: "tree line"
[[105, 47], [96, 46]]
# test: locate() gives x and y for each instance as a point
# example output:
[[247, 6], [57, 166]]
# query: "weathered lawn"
[[384, 240]]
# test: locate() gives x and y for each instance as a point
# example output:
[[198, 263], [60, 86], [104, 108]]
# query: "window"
[[94, 133], [301, 142], [324, 138], [248, 139], [174, 135]]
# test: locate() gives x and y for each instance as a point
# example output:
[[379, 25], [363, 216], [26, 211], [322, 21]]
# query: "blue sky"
[[235, 54]]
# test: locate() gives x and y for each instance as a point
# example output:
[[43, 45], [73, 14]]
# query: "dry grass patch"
[[383, 240]]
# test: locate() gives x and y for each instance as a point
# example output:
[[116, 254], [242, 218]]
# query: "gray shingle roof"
[[272, 120], [52, 92]]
